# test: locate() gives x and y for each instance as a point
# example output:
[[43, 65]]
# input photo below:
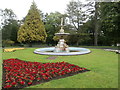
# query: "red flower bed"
[[20, 74]]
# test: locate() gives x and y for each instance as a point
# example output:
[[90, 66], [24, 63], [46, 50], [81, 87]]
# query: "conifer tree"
[[33, 28]]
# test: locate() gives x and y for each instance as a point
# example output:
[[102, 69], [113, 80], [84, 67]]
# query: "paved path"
[[113, 50]]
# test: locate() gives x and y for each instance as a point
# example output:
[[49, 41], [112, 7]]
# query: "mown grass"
[[103, 66]]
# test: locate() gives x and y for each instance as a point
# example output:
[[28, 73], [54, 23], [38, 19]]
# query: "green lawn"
[[103, 66]]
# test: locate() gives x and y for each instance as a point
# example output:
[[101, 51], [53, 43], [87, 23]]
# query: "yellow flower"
[[12, 49]]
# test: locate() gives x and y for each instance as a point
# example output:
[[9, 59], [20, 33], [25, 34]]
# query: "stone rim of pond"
[[47, 51]]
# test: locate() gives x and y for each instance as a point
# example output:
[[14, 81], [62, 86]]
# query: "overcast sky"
[[21, 7]]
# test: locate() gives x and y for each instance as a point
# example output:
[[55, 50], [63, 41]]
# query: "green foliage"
[[33, 28], [88, 28], [78, 14], [9, 25], [7, 42], [107, 15], [56, 38], [78, 39], [52, 25], [9, 31], [110, 14]]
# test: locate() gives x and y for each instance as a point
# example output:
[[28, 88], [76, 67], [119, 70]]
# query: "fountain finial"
[[61, 30], [61, 21]]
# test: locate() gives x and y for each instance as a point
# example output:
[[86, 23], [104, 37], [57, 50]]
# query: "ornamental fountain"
[[62, 48]]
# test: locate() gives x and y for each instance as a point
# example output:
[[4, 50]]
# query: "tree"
[[96, 24], [110, 14], [78, 38], [52, 25], [33, 29], [106, 21], [76, 13], [9, 31], [88, 28], [9, 25], [7, 16]]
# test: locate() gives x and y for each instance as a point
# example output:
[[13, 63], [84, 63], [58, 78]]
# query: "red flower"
[[46, 78], [13, 83], [24, 71], [22, 82], [8, 81], [7, 86], [24, 78], [38, 78], [29, 83], [32, 78], [19, 79], [15, 74]]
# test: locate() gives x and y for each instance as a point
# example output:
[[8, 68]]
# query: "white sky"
[[21, 7]]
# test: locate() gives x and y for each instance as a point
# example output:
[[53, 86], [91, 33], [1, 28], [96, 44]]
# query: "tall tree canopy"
[[104, 24], [7, 15], [110, 15], [78, 13], [33, 28]]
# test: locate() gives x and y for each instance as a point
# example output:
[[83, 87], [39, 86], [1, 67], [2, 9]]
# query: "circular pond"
[[73, 51]]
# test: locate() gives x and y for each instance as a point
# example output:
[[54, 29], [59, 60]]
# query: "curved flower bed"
[[20, 74], [12, 49]]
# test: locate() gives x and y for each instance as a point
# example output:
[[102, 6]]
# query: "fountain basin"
[[73, 51], [61, 34]]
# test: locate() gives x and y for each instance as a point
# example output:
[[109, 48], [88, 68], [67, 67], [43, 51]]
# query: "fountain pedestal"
[[61, 46]]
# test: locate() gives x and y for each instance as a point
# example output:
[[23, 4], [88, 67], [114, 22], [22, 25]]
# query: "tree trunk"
[[96, 25], [30, 44]]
